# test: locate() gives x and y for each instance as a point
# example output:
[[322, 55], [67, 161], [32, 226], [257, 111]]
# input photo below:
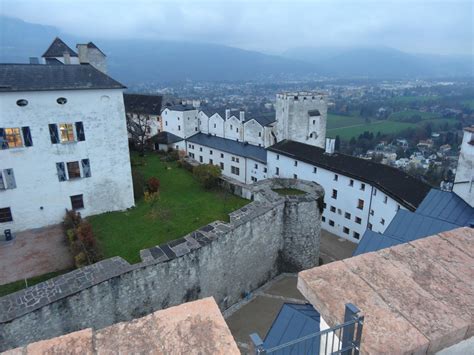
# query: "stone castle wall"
[[273, 234]]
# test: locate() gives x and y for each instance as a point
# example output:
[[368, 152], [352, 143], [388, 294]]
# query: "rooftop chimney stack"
[[330, 144], [67, 58], [242, 116], [34, 60], [227, 113]]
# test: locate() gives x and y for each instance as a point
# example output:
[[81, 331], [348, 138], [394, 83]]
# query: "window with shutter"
[[2, 182], [61, 171], [3, 139], [73, 170], [80, 132], [66, 132], [53, 133], [86, 167], [27, 136], [9, 179], [13, 137]]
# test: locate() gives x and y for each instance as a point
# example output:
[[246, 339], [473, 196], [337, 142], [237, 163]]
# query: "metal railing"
[[344, 339]]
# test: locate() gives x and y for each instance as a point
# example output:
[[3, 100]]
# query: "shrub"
[[71, 219], [138, 184], [153, 185], [173, 155], [207, 174]]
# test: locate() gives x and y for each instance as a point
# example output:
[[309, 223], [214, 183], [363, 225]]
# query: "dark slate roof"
[[57, 49], [312, 113], [447, 206], [181, 107], [440, 211], [263, 119], [165, 138], [146, 104], [401, 186], [293, 322], [42, 77], [226, 145], [53, 61]]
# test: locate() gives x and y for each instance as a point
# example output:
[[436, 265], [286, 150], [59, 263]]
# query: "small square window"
[[358, 220], [255, 166], [323, 219], [315, 170], [347, 215], [296, 163], [375, 192], [331, 223], [356, 235], [277, 171], [222, 155], [210, 152], [369, 226], [382, 221], [362, 187], [13, 137], [334, 194], [278, 156], [351, 182], [200, 159], [336, 177], [222, 166], [73, 170], [360, 204], [333, 209], [345, 230], [77, 202], [6, 215], [200, 149], [66, 132], [295, 176], [385, 199]]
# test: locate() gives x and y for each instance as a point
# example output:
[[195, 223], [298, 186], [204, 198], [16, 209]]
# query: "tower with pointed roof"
[[60, 53]]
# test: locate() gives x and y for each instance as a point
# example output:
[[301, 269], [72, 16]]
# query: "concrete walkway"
[[335, 248], [32, 253]]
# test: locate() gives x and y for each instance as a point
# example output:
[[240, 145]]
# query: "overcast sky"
[[442, 27]]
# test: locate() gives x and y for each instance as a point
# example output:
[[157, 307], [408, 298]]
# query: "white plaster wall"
[[233, 129], [246, 166], [382, 210], [216, 125], [254, 133], [190, 123], [463, 182], [153, 122], [269, 138], [203, 121], [294, 122], [106, 146], [173, 122], [347, 197]]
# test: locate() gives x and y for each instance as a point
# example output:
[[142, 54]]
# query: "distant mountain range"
[[144, 61]]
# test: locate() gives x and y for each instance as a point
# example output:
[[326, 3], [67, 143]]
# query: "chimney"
[[227, 113], [90, 54], [330, 144], [83, 53], [34, 60], [67, 58], [242, 116]]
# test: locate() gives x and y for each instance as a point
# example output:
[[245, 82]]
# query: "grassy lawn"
[[19, 285], [338, 121], [285, 192], [183, 206], [409, 99], [409, 113], [469, 103]]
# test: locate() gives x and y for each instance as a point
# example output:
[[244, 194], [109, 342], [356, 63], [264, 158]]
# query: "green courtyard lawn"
[[183, 206]]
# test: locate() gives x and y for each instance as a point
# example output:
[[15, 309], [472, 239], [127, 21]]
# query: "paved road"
[[33, 253]]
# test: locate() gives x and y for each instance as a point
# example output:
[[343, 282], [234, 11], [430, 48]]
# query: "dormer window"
[[61, 100], [22, 102]]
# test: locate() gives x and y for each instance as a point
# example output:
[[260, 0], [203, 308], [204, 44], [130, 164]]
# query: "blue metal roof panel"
[[408, 226], [293, 322], [230, 146], [446, 206], [373, 241]]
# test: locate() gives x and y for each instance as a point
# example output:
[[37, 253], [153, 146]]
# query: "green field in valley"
[[469, 103], [409, 99], [409, 113], [339, 121], [384, 127]]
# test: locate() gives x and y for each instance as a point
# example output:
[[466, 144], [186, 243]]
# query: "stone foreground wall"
[[273, 234]]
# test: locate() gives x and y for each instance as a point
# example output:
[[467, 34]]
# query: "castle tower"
[[464, 180], [89, 53], [302, 117]]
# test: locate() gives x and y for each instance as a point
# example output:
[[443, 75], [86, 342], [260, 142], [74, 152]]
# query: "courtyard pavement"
[[256, 314], [32, 253]]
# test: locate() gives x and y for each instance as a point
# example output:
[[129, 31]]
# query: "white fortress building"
[[464, 180], [63, 140], [360, 194]]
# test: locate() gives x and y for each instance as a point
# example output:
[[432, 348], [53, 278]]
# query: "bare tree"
[[138, 128]]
